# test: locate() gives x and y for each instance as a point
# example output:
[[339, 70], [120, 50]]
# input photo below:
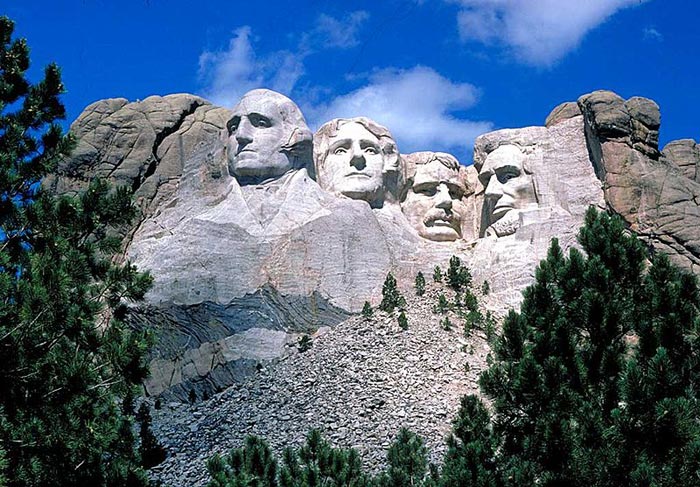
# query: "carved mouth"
[[499, 211], [357, 174], [440, 221]]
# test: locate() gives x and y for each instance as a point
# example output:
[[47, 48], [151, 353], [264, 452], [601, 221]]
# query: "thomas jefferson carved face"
[[508, 187], [353, 156], [433, 204], [267, 137]]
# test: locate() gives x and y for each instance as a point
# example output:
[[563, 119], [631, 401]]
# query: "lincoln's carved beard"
[[506, 225]]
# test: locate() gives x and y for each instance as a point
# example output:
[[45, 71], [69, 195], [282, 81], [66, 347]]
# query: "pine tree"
[[391, 297], [437, 274], [420, 284], [367, 312], [253, 464], [318, 463], [67, 357], [304, 344], [458, 276], [407, 459], [151, 451], [403, 321], [594, 382]]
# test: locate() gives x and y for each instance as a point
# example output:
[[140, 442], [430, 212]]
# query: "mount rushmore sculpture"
[[256, 229]]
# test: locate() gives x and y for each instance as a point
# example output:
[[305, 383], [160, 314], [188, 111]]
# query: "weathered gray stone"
[[685, 154], [608, 112], [652, 193], [562, 112]]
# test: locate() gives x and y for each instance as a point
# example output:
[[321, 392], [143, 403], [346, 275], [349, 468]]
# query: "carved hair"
[[415, 159], [482, 150], [328, 130]]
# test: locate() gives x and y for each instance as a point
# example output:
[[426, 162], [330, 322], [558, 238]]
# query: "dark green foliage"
[[458, 276], [470, 460], [470, 301], [151, 451], [420, 284], [403, 321], [66, 358], [317, 463], [446, 324], [594, 382], [407, 460], [391, 297], [253, 464], [442, 305], [367, 311], [485, 288], [437, 274], [304, 343], [192, 396]]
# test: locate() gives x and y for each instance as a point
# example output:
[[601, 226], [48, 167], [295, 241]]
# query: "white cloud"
[[331, 32], [538, 32], [651, 34], [228, 74], [418, 105]]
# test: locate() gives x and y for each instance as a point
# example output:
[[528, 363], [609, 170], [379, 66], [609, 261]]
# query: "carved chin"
[[506, 225]]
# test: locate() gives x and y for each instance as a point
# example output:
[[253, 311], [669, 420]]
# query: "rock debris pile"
[[359, 383]]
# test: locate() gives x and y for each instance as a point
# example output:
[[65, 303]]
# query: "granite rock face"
[[657, 194], [249, 251]]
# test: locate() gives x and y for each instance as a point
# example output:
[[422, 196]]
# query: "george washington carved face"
[[267, 137]]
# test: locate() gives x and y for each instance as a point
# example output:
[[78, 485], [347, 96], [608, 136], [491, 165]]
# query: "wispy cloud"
[[336, 33], [536, 32], [418, 105], [229, 73], [651, 34]]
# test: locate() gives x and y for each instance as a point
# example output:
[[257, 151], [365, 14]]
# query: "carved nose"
[[444, 200], [243, 133], [358, 158], [494, 190]]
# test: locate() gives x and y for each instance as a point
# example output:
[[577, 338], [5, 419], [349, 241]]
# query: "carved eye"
[[507, 176], [456, 194], [260, 121], [428, 191], [371, 150], [233, 125], [340, 150]]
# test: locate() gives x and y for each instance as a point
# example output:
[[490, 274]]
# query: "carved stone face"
[[354, 164], [434, 204], [508, 187], [260, 132]]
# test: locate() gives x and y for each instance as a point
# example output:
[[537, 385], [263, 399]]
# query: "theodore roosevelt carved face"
[[508, 188], [267, 137], [353, 158], [433, 203]]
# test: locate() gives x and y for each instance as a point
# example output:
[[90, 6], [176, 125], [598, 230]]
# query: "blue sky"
[[435, 72]]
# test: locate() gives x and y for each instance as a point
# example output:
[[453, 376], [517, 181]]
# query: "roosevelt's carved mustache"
[[436, 214]]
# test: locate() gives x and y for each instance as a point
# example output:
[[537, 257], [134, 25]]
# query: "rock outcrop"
[[657, 194]]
